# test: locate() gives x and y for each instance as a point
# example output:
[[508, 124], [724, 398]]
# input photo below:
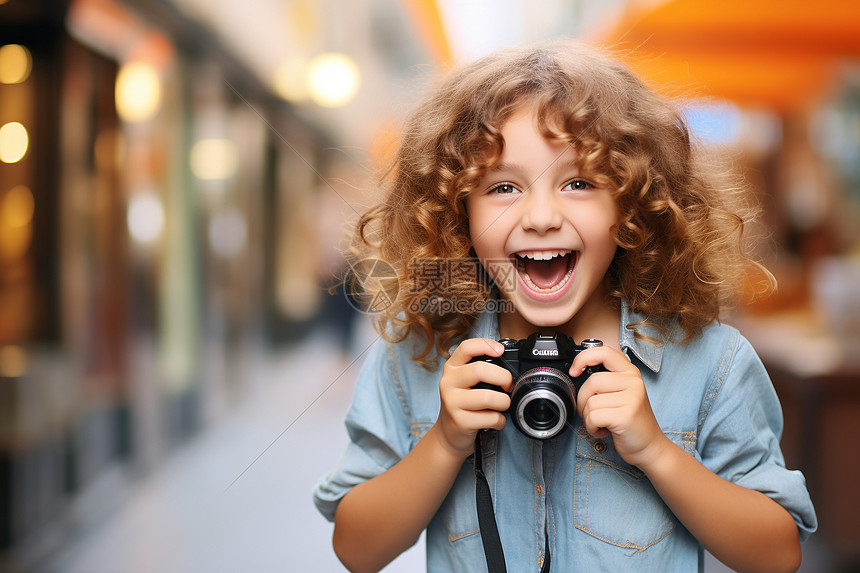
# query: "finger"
[[468, 375], [598, 421], [605, 382], [621, 387], [477, 400], [589, 404], [492, 374], [483, 420], [491, 420], [473, 348], [610, 358]]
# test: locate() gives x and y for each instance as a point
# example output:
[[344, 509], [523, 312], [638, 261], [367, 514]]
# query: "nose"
[[540, 212]]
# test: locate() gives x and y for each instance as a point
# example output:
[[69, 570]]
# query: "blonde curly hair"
[[680, 255]]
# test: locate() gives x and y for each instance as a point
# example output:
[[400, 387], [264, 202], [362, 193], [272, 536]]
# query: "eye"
[[504, 188], [578, 185]]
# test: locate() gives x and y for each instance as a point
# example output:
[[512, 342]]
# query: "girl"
[[578, 192]]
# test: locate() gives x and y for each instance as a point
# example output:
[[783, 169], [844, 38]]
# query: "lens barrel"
[[542, 402]]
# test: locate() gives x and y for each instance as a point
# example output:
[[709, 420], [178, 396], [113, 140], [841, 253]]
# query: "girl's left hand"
[[615, 402]]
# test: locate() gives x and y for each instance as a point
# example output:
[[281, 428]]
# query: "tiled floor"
[[237, 498]]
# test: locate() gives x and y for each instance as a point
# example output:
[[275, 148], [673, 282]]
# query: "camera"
[[543, 396]]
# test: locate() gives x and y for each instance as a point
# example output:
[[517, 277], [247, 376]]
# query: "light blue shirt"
[[711, 396]]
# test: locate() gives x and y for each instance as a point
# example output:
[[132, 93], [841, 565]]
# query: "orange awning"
[[775, 53]]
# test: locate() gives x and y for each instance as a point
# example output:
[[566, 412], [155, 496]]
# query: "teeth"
[[521, 268], [542, 255]]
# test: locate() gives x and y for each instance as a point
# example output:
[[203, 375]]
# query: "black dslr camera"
[[542, 400]]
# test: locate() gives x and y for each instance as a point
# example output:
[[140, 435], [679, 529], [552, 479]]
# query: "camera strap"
[[487, 519], [486, 516]]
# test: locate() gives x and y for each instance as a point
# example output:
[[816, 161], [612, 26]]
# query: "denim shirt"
[[711, 396]]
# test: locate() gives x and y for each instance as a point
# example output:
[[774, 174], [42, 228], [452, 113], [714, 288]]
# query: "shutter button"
[[599, 447]]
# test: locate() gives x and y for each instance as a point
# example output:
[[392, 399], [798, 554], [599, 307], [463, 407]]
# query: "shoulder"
[[719, 359], [717, 344], [390, 375], [729, 346], [391, 363], [733, 373]]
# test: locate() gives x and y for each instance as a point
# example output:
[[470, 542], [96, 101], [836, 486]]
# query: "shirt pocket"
[[614, 501], [459, 512]]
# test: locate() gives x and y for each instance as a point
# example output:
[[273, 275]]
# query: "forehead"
[[525, 145]]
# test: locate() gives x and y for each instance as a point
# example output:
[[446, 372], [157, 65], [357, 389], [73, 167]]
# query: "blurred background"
[[175, 180]]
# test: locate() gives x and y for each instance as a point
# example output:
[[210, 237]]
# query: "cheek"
[[597, 230], [486, 231], [485, 243], [489, 248]]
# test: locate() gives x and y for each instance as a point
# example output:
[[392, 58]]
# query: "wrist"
[[437, 438], [657, 455]]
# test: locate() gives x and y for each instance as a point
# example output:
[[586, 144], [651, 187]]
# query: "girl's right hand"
[[465, 409]]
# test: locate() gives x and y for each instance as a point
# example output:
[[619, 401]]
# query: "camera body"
[[544, 394]]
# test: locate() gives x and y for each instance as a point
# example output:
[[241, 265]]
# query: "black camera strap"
[[486, 517], [487, 520]]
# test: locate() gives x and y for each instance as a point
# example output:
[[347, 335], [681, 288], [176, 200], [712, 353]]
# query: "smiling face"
[[542, 230]]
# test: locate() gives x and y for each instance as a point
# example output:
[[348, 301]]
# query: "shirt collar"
[[487, 324], [650, 350]]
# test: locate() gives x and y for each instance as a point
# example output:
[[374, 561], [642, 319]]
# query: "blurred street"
[[238, 496]]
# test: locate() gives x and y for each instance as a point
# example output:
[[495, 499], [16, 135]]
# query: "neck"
[[601, 321]]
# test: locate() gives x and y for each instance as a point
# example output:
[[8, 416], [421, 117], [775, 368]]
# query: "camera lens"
[[541, 402], [541, 414]]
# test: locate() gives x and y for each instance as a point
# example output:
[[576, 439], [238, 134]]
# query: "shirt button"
[[599, 447], [539, 489], [540, 562]]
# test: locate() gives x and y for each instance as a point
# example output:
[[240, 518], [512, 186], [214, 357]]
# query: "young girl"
[[579, 195]]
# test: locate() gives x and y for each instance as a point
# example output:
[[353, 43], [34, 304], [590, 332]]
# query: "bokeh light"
[[14, 142], [17, 207], [138, 92], [720, 123], [16, 223], [213, 159], [145, 217], [333, 79], [15, 64]]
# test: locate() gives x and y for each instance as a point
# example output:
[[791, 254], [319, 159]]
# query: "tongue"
[[546, 274]]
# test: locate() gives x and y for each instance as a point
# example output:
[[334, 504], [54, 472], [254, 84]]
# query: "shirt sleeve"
[[739, 437], [379, 428]]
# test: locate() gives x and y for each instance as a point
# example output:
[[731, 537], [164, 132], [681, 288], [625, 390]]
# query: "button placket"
[[540, 497]]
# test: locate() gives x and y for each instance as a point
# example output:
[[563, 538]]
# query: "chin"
[[548, 318], [547, 322]]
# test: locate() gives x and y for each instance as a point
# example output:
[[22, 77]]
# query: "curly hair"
[[680, 257]]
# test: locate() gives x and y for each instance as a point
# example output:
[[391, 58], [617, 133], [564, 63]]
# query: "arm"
[[380, 518], [743, 528]]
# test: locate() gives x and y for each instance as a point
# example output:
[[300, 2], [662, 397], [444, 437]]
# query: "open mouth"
[[545, 271]]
